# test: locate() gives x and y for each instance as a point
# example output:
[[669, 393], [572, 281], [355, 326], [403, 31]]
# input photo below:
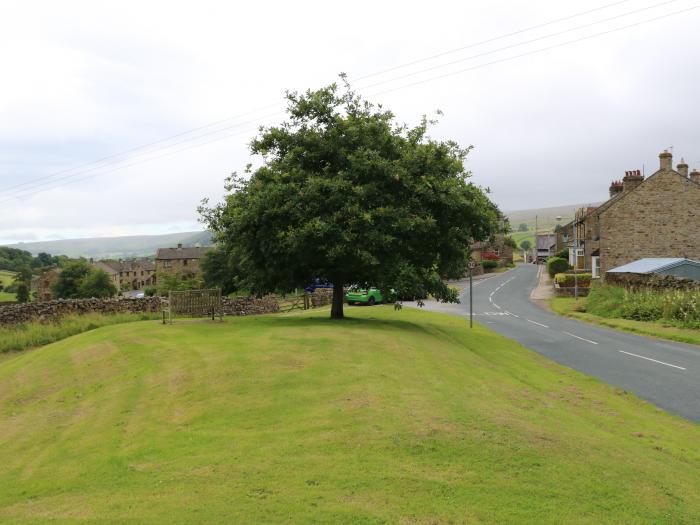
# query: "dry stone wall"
[[51, 311], [635, 281]]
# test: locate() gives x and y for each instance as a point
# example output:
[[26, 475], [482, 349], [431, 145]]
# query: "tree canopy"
[[80, 280], [345, 193]]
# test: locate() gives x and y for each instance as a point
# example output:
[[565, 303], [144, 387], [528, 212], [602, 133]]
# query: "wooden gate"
[[193, 303]]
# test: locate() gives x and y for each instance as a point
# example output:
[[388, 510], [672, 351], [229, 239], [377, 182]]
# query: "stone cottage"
[[180, 260], [656, 216], [129, 275]]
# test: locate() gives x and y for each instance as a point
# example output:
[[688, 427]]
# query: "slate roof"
[[181, 253], [126, 266], [653, 265]]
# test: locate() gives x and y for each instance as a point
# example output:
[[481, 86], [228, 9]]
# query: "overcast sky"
[[86, 80]]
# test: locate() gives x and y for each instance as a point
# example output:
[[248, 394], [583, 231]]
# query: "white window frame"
[[595, 266]]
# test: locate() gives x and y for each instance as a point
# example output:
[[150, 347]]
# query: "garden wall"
[[15, 313], [635, 281]]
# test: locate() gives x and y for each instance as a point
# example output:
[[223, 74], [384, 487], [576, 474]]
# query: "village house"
[[129, 275], [180, 260], [653, 217], [41, 285]]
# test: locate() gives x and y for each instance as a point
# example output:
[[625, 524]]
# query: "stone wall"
[[635, 281], [321, 297], [660, 218], [48, 311]]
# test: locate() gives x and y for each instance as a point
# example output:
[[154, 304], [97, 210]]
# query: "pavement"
[[666, 374]]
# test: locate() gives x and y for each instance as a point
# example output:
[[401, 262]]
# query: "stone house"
[[498, 246], [129, 275], [180, 260], [653, 217], [41, 285]]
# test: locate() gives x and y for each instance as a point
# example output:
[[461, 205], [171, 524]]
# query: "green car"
[[368, 296]]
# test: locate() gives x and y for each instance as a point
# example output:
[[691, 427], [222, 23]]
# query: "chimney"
[[632, 180], [666, 160], [179, 246], [695, 176], [615, 188], [682, 168]]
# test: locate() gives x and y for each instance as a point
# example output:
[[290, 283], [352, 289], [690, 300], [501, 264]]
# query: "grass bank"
[[661, 329], [29, 335], [387, 417]]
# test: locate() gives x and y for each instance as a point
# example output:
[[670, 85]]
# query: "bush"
[[149, 291], [489, 264], [490, 256], [564, 254], [675, 307], [556, 265], [569, 280]]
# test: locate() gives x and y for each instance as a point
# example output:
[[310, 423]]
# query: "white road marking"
[[511, 313], [497, 306], [650, 359], [581, 338], [538, 324]]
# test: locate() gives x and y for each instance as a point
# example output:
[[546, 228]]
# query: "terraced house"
[[129, 275], [181, 260], [656, 216]]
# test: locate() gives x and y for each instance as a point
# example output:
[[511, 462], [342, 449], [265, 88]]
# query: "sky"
[[556, 105]]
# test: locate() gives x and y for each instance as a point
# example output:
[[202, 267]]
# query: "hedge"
[[556, 265], [567, 279]]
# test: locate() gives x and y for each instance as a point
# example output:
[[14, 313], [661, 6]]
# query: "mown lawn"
[[569, 307], [388, 417], [6, 279]]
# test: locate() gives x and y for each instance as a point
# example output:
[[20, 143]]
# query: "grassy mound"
[[398, 417]]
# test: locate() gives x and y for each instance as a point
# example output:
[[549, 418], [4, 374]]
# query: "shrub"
[[489, 264], [149, 291], [556, 265], [564, 254], [490, 256], [569, 279]]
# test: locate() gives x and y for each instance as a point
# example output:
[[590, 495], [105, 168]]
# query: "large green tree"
[[346, 194], [97, 283]]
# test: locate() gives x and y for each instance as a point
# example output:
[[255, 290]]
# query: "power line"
[[518, 44], [430, 79], [235, 117], [536, 51], [489, 40]]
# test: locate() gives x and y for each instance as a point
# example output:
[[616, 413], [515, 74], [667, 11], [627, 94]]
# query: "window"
[[595, 263], [184, 262]]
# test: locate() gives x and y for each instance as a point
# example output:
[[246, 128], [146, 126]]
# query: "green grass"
[[28, 335], [388, 417], [6, 279], [659, 329]]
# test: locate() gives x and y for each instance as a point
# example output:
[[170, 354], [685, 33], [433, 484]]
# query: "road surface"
[[664, 373]]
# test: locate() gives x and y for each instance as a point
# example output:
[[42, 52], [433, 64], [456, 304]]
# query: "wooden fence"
[[193, 303]]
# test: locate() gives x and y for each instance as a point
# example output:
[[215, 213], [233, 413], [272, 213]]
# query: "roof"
[[653, 265], [181, 253], [545, 242], [125, 266]]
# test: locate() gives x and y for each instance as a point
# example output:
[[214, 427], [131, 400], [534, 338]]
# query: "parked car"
[[316, 284], [368, 296]]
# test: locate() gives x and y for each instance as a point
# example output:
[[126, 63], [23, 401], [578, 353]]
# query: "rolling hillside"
[[546, 217], [116, 247]]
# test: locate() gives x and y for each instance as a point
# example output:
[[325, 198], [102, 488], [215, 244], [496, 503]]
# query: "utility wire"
[[430, 79], [518, 44], [235, 117]]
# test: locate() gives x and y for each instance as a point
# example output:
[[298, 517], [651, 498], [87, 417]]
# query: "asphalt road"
[[664, 373]]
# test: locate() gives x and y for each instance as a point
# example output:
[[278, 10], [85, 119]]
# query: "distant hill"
[[116, 247], [546, 217]]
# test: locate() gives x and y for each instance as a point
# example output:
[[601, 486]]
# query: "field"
[[386, 417], [6, 279]]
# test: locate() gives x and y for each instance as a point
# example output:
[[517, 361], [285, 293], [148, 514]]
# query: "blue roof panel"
[[652, 265]]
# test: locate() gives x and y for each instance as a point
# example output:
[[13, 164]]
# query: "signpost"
[[471, 265]]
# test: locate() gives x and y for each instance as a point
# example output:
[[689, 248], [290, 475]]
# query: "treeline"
[[15, 260]]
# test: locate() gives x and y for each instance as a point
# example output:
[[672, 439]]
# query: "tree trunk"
[[338, 298]]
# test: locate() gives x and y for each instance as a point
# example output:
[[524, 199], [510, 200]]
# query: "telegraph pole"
[[471, 265]]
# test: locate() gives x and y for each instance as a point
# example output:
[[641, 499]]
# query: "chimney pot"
[[695, 176], [682, 168], [666, 160]]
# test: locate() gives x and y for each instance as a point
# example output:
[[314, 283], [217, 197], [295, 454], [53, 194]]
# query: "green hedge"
[[489, 265], [568, 279], [556, 265]]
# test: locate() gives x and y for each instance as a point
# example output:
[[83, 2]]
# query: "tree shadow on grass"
[[364, 323]]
